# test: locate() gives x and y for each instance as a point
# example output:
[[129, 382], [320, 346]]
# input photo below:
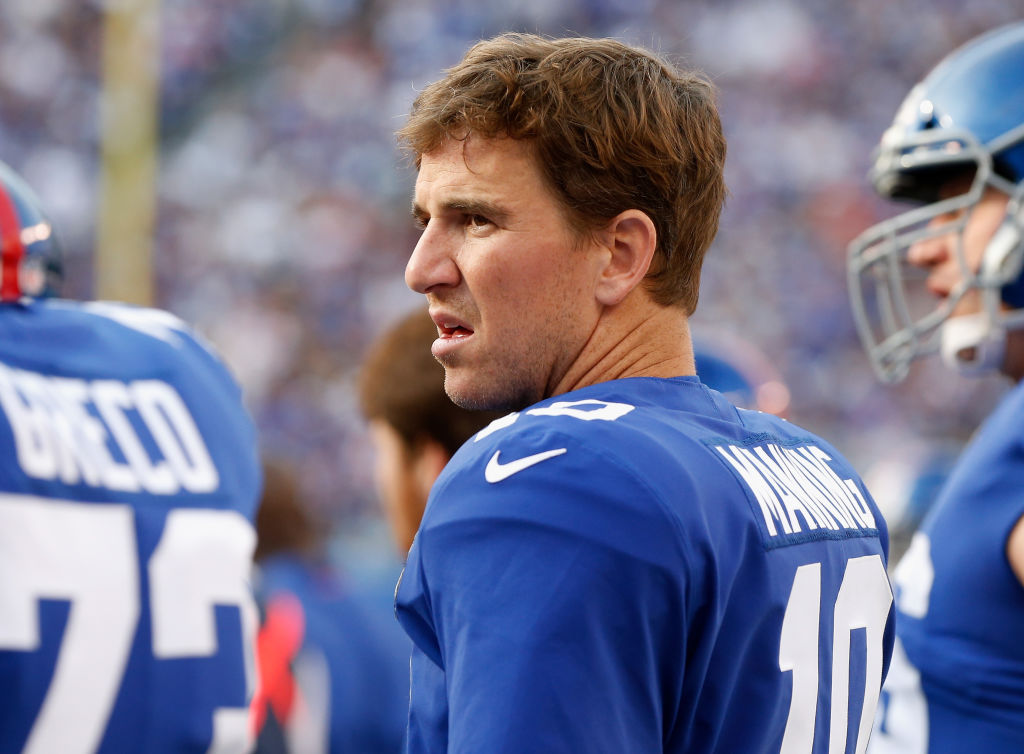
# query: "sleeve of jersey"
[[556, 598], [211, 388], [217, 370]]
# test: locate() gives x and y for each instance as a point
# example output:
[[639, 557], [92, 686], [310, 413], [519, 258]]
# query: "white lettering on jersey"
[[797, 490], [588, 410], [505, 421], [91, 432], [914, 577], [901, 720]]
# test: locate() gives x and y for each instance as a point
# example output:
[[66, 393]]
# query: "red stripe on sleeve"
[[11, 248]]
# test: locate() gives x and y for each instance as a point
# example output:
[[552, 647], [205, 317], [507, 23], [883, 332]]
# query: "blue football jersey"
[[638, 566], [346, 682], [957, 679], [129, 479]]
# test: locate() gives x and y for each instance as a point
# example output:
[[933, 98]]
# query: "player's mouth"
[[451, 334], [453, 330]]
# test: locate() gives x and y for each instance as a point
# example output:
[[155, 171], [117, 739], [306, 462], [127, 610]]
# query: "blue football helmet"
[[964, 121], [30, 257]]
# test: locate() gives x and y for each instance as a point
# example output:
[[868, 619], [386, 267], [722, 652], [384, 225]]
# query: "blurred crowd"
[[283, 203]]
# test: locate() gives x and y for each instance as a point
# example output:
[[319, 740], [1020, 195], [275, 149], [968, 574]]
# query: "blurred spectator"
[[333, 664]]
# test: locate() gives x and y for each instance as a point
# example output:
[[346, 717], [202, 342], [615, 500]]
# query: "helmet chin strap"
[[972, 344], [976, 343]]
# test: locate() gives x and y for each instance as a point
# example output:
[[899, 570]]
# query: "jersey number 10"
[[863, 601]]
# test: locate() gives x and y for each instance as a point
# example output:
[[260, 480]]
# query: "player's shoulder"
[[583, 424], [600, 462], [641, 424], [638, 426], [141, 381], [678, 454], [1003, 423], [555, 469], [102, 337], [122, 323]]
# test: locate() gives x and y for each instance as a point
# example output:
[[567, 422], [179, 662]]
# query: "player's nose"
[[929, 252], [938, 258], [432, 263]]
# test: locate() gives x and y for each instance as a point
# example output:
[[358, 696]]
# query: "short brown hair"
[[402, 384], [613, 127], [283, 522]]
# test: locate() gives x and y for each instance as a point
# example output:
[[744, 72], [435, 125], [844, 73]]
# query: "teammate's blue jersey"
[[957, 680], [129, 479], [638, 566], [347, 676]]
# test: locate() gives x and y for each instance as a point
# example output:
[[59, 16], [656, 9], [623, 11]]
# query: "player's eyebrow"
[[465, 206]]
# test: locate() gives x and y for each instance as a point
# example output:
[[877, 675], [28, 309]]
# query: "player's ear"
[[629, 240]]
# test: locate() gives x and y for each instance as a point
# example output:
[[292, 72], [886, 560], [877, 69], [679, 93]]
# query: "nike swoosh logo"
[[496, 471]]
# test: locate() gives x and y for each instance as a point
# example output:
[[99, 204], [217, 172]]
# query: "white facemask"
[[972, 344]]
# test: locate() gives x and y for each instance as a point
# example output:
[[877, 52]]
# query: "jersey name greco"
[[128, 484], [638, 566], [957, 679]]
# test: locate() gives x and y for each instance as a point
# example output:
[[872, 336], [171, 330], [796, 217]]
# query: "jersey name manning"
[[638, 566], [128, 484]]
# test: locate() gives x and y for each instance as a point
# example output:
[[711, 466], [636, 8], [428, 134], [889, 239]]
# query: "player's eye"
[[477, 221], [420, 221]]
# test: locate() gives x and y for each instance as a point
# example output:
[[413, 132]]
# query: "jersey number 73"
[[87, 554]]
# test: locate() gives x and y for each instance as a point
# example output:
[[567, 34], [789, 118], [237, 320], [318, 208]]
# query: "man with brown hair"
[[415, 428], [627, 562]]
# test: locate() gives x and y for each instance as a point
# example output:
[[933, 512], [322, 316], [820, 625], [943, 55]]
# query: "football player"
[[956, 148], [128, 484], [626, 562]]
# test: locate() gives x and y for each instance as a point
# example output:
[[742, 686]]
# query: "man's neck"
[[636, 338]]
